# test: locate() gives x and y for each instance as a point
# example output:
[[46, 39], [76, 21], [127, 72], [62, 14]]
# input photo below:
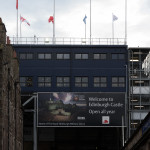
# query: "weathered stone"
[[10, 112]]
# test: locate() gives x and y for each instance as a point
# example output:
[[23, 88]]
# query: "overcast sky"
[[69, 19]]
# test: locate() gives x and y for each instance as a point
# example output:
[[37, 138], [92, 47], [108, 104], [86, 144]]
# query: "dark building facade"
[[69, 68], [11, 121], [72, 68]]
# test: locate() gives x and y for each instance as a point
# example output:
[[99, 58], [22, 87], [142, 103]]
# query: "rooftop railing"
[[67, 41]]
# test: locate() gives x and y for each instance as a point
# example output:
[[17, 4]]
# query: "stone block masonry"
[[11, 120]]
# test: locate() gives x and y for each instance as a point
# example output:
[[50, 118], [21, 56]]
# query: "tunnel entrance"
[[80, 138]]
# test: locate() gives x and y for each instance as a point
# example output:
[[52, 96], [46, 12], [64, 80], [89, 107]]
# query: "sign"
[[80, 109], [105, 120]]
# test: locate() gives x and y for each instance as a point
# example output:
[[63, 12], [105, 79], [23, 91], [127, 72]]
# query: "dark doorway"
[[87, 138]]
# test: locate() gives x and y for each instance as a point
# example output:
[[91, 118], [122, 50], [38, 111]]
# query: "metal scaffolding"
[[139, 89]]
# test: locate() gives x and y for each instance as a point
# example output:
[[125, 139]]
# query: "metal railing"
[[67, 41]]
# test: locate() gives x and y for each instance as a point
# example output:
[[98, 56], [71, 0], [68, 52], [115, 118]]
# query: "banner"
[[80, 109]]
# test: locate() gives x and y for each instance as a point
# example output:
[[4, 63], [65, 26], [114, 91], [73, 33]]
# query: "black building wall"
[[88, 68], [112, 62]]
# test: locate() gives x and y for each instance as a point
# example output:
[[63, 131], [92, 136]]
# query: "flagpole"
[[20, 29], [17, 24], [84, 20], [126, 22], [90, 22], [112, 29], [85, 31], [54, 25]]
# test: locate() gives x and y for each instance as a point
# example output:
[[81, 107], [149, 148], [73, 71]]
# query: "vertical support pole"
[[54, 25], [130, 90], [126, 100], [20, 30], [140, 91], [122, 131], [85, 31], [17, 23], [34, 127]]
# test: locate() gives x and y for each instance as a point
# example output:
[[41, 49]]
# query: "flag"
[[115, 18], [84, 20], [51, 19], [16, 4], [24, 20]]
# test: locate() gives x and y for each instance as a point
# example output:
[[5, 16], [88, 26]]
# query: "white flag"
[[115, 18]]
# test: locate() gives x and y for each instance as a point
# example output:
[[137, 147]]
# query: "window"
[[121, 56], [25, 56], [29, 56], [81, 81], [118, 81], [63, 81], [25, 81], [63, 56], [44, 56], [100, 56], [113, 56], [22, 56], [81, 56], [118, 56], [100, 82], [44, 81]]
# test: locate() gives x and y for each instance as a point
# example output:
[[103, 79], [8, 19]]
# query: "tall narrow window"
[[100, 82], [81, 81], [44, 81], [63, 81]]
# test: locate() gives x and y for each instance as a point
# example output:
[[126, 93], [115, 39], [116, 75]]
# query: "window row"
[[78, 56], [79, 81]]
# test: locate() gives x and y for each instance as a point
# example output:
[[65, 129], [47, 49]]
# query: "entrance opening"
[[80, 138]]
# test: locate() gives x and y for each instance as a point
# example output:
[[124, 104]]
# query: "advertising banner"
[[80, 109]]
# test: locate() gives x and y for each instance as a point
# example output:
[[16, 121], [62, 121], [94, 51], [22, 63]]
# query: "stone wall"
[[11, 121]]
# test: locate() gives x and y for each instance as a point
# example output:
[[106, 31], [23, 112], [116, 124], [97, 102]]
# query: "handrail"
[[67, 41]]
